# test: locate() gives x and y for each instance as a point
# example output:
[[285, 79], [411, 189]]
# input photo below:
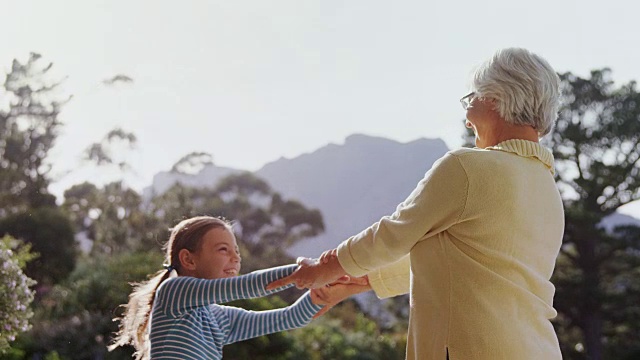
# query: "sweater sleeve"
[[246, 324], [391, 280], [435, 204], [180, 294]]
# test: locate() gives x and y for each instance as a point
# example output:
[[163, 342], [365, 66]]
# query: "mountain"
[[207, 177], [352, 184]]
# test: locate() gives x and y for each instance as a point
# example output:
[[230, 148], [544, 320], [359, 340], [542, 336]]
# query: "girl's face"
[[218, 256]]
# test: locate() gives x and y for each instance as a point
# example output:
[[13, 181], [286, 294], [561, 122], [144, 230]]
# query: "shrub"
[[15, 293]]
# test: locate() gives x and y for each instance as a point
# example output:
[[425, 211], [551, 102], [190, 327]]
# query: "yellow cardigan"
[[475, 244]]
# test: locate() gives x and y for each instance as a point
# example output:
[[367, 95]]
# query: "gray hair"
[[524, 85]]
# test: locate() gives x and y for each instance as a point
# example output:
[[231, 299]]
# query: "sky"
[[253, 81]]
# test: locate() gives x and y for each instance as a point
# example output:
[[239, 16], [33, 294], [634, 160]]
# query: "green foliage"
[[75, 319], [349, 337], [118, 221], [344, 333], [277, 346], [104, 152], [51, 235], [596, 144], [99, 283], [15, 293], [112, 217], [265, 223]]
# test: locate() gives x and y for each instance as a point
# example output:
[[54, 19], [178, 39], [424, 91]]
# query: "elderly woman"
[[476, 242]]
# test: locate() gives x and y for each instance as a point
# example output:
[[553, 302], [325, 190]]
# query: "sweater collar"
[[527, 148]]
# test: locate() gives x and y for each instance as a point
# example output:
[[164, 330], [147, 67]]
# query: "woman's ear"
[[187, 260]]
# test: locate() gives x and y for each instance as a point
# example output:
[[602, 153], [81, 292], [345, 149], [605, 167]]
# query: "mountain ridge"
[[353, 184]]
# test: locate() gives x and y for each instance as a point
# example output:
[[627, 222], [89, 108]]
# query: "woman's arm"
[[246, 324], [436, 204], [387, 281], [180, 294]]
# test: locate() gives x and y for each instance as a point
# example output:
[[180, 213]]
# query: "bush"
[[15, 292], [50, 233], [75, 318]]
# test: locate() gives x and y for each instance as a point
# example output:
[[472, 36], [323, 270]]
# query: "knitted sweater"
[[187, 321], [475, 245]]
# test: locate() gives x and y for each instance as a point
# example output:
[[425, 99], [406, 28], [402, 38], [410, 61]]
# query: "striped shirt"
[[188, 323]]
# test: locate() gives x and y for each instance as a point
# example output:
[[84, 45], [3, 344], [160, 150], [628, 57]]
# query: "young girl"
[[186, 320]]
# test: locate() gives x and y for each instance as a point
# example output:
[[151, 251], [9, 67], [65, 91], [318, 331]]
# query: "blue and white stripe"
[[188, 323]]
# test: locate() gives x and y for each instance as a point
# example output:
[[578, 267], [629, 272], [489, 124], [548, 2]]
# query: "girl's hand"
[[311, 274], [328, 255], [333, 294]]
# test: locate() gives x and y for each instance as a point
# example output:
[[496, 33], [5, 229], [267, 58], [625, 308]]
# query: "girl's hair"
[[526, 88], [188, 235]]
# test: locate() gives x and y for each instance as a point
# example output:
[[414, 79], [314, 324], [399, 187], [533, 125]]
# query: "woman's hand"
[[311, 274]]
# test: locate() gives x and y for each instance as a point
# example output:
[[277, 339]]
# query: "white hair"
[[524, 85]]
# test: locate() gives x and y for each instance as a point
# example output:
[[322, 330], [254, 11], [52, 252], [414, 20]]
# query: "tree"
[[265, 223], [112, 218], [75, 319], [103, 153], [50, 234], [596, 144], [28, 129], [192, 162]]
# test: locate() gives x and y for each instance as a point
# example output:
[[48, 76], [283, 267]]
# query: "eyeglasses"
[[466, 100]]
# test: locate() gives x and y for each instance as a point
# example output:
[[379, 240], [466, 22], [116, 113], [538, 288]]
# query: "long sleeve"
[[245, 324], [434, 205], [391, 280], [482, 230], [180, 294]]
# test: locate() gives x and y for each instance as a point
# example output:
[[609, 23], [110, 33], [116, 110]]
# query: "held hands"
[[328, 255], [327, 279], [332, 294], [312, 274]]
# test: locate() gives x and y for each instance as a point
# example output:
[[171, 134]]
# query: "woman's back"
[[483, 283]]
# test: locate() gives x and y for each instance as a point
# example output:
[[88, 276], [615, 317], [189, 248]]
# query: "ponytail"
[[135, 321]]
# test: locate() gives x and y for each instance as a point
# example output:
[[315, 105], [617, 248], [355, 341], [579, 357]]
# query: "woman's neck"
[[509, 132]]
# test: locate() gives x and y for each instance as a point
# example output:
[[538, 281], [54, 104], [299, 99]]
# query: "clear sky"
[[252, 81]]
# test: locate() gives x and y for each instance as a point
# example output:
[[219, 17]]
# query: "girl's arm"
[[246, 324], [182, 293]]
